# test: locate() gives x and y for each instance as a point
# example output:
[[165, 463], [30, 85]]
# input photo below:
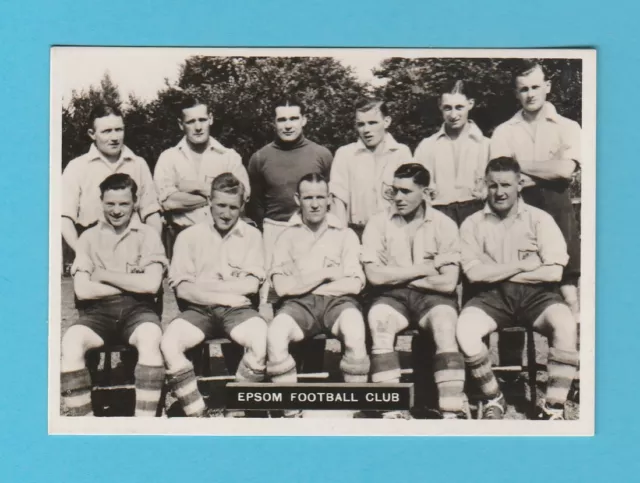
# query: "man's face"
[[372, 126], [313, 200], [195, 124], [225, 209], [503, 188], [117, 206], [108, 134], [532, 90], [407, 195], [289, 123], [455, 110]]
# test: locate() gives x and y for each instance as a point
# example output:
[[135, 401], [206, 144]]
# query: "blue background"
[[29, 28]]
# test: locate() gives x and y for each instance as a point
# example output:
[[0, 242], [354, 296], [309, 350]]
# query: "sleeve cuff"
[[446, 259], [175, 281]]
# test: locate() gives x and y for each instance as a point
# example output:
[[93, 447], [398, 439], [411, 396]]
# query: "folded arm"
[[299, 283], [201, 295], [551, 170], [180, 201], [394, 275], [543, 274], [147, 282], [87, 289], [444, 281], [245, 285]]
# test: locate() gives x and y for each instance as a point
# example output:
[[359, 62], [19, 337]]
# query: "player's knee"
[[383, 321], [560, 322], [442, 322], [172, 344], [146, 338], [468, 331], [256, 340], [280, 330], [352, 329], [75, 343]]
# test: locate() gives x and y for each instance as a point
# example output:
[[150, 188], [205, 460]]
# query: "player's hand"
[[428, 268], [266, 311], [530, 264]]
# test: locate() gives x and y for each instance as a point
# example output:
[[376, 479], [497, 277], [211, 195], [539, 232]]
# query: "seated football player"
[[316, 269], [514, 255], [117, 272], [411, 253], [217, 265]]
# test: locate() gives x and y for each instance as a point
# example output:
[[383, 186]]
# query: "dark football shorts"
[[216, 320], [515, 304], [116, 317], [315, 314], [414, 303]]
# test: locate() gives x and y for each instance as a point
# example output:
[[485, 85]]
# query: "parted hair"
[[103, 109], [311, 178], [418, 173], [119, 181], [366, 104], [187, 102], [227, 183], [522, 67], [289, 101], [503, 163], [456, 87]]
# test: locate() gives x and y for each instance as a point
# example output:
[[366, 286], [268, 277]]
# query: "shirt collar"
[[135, 224], [428, 213], [522, 208], [332, 221], [471, 130], [125, 155], [390, 144], [549, 113], [237, 230], [212, 145]]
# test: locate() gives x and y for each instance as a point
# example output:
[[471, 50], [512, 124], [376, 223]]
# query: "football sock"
[[75, 387], [149, 381], [449, 376], [185, 387]]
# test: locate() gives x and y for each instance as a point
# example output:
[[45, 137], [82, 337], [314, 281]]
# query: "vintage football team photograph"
[[300, 241]]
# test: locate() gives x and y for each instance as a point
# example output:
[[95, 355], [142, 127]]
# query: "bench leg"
[[532, 369]]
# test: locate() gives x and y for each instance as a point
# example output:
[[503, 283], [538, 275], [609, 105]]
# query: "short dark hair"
[[418, 173], [119, 181], [366, 104], [227, 183], [522, 67], [103, 109], [503, 163], [289, 101], [311, 178], [456, 87], [188, 101]]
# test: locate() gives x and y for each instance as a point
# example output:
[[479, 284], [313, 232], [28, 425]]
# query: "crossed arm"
[[103, 283], [190, 196], [298, 283], [213, 292], [530, 271], [551, 169]]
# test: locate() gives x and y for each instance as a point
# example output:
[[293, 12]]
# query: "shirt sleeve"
[[256, 202], [372, 241], [253, 263], [182, 267], [423, 156], [571, 138], [282, 262], [83, 261], [471, 251], [552, 247], [147, 192], [448, 244], [499, 145], [70, 192], [339, 176], [326, 160], [164, 177], [351, 257], [239, 171], [152, 250]]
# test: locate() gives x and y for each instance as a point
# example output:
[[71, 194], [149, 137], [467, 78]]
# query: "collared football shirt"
[[299, 248], [361, 179], [552, 137], [432, 237], [81, 185], [529, 232], [131, 251], [176, 164], [455, 166], [200, 253]]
